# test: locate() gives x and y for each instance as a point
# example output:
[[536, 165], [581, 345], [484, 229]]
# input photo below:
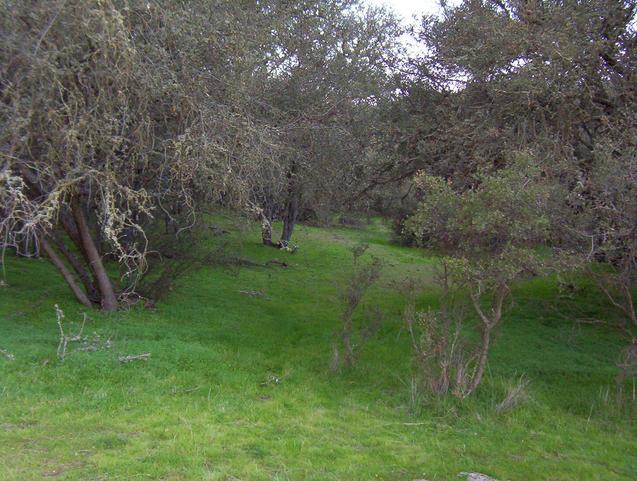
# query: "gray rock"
[[476, 477]]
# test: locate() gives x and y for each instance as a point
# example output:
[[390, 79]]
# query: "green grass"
[[207, 407]]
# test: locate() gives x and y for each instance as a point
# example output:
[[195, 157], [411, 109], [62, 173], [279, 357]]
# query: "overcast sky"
[[407, 8]]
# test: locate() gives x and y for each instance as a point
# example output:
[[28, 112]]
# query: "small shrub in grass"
[[363, 276], [437, 345], [490, 235]]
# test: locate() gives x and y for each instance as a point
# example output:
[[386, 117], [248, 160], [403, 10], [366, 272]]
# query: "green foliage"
[[492, 231], [552, 79], [491, 234]]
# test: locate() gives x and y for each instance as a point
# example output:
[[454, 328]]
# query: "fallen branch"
[[64, 339], [241, 261], [252, 293], [138, 357], [255, 294]]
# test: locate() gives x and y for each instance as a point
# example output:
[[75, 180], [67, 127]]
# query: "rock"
[[477, 477]]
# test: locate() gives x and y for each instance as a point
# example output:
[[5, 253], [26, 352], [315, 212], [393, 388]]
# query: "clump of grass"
[[517, 394]]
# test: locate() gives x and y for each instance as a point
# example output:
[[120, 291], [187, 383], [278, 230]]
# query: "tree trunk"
[[68, 277], [489, 322], [346, 337], [104, 285], [443, 379], [289, 220], [291, 206], [267, 215], [79, 268], [482, 361]]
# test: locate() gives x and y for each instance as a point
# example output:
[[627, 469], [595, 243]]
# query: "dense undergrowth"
[[238, 385]]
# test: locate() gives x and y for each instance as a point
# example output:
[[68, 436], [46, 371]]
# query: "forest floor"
[[239, 387]]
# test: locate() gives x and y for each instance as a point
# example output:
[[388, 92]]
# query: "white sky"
[[407, 8], [411, 11]]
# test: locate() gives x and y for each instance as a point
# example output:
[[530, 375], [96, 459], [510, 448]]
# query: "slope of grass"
[[238, 386]]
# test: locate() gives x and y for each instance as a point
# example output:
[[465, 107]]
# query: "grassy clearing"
[[239, 387]]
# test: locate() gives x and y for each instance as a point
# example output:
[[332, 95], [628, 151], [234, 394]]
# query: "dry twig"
[[138, 357]]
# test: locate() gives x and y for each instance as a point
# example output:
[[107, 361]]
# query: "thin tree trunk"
[[346, 337], [443, 380], [289, 219], [489, 323], [68, 277], [79, 268], [69, 226], [291, 206], [108, 299], [482, 361]]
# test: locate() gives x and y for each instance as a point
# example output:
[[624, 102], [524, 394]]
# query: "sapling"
[[489, 236], [363, 276]]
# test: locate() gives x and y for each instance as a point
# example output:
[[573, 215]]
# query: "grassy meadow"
[[239, 386]]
